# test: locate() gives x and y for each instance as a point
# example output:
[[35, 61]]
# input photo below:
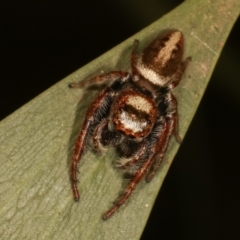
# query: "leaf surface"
[[38, 139]]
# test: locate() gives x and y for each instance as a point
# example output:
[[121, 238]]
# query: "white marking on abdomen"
[[132, 124]]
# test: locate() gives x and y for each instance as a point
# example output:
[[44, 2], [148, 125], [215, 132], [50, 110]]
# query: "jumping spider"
[[137, 113]]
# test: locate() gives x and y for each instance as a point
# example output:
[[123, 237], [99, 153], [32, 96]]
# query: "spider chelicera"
[[137, 113]]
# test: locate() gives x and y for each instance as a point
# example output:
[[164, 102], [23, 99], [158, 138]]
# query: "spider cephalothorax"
[[137, 113]]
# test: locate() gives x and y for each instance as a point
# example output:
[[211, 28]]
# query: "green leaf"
[[38, 139]]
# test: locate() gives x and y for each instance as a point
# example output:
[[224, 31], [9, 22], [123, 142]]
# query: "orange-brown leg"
[[97, 135], [128, 162], [134, 58], [173, 130], [175, 117], [131, 186], [162, 148], [158, 149], [81, 140], [180, 71], [111, 76]]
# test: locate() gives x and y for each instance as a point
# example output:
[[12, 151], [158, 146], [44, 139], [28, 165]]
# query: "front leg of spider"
[[88, 123], [107, 77], [137, 113], [99, 107]]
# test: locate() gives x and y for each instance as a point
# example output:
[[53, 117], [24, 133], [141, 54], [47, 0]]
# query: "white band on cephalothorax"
[[149, 74], [166, 52]]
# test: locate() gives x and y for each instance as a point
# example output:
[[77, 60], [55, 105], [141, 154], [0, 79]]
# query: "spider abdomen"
[[134, 114]]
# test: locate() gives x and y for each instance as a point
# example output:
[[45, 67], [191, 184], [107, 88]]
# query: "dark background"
[[44, 41]]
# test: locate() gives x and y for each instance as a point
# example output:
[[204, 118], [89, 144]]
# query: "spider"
[[136, 113]]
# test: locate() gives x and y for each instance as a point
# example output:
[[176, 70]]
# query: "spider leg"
[[130, 187], [134, 55], [125, 163], [174, 115], [180, 71], [82, 137], [162, 150], [172, 128], [159, 146], [134, 58], [97, 135], [111, 76]]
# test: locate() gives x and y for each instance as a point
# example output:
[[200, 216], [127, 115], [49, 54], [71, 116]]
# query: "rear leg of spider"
[[172, 122], [129, 189], [159, 148]]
